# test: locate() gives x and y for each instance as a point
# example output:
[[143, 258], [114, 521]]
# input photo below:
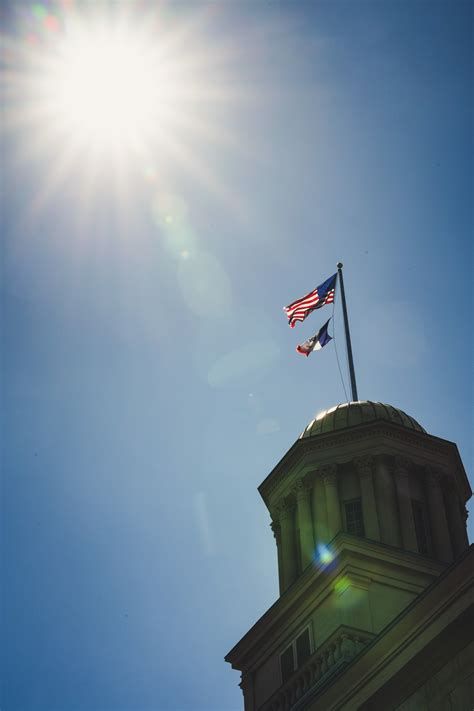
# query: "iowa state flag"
[[316, 342], [322, 295]]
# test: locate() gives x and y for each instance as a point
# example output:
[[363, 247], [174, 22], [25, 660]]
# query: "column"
[[320, 516], [247, 685], [407, 522], [303, 511], [275, 526], [329, 474], [465, 517], [285, 516], [437, 510], [364, 466], [386, 497], [457, 528]]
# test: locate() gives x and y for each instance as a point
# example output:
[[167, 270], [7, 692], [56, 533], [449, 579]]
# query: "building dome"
[[350, 414]]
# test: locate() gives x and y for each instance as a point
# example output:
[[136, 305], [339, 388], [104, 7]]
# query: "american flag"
[[323, 294]]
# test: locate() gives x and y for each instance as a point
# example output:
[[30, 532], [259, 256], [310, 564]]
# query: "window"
[[420, 527], [295, 655], [354, 520]]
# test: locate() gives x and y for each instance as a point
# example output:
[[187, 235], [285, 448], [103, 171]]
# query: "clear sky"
[[149, 378]]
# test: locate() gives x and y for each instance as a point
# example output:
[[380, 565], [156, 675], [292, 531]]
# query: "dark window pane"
[[354, 520], [303, 650], [420, 528], [287, 663]]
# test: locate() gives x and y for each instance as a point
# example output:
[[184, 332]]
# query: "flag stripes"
[[323, 294]]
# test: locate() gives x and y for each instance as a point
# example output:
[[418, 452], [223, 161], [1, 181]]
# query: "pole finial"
[[339, 265]]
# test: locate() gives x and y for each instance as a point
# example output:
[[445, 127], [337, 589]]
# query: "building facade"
[[375, 571]]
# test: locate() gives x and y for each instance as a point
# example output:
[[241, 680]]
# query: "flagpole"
[[348, 335]]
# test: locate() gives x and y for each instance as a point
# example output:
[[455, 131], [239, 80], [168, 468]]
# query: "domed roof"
[[348, 414]]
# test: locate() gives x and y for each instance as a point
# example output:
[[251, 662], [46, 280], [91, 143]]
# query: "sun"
[[106, 84], [104, 90]]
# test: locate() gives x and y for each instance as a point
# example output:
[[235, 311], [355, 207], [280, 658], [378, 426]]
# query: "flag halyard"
[[301, 308]]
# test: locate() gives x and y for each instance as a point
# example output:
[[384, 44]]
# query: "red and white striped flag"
[[323, 294]]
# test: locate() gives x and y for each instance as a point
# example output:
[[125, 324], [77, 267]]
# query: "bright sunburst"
[[113, 89], [106, 86]]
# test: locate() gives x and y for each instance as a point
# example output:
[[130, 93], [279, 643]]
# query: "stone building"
[[375, 571]]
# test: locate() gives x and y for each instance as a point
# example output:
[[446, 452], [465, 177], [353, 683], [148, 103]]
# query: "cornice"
[[398, 644], [316, 583], [323, 443]]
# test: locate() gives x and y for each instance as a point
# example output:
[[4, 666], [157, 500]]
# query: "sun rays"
[[100, 95]]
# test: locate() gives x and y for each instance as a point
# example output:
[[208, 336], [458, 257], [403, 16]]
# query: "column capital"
[[329, 474], [434, 476], [246, 684], [284, 509], [312, 476], [401, 465], [364, 465], [276, 528], [301, 489]]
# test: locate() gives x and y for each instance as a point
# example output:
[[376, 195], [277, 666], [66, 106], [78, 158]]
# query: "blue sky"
[[149, 378]]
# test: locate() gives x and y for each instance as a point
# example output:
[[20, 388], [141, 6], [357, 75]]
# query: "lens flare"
[[342, 584], [170, 215], [200, 278], [323, 555]]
